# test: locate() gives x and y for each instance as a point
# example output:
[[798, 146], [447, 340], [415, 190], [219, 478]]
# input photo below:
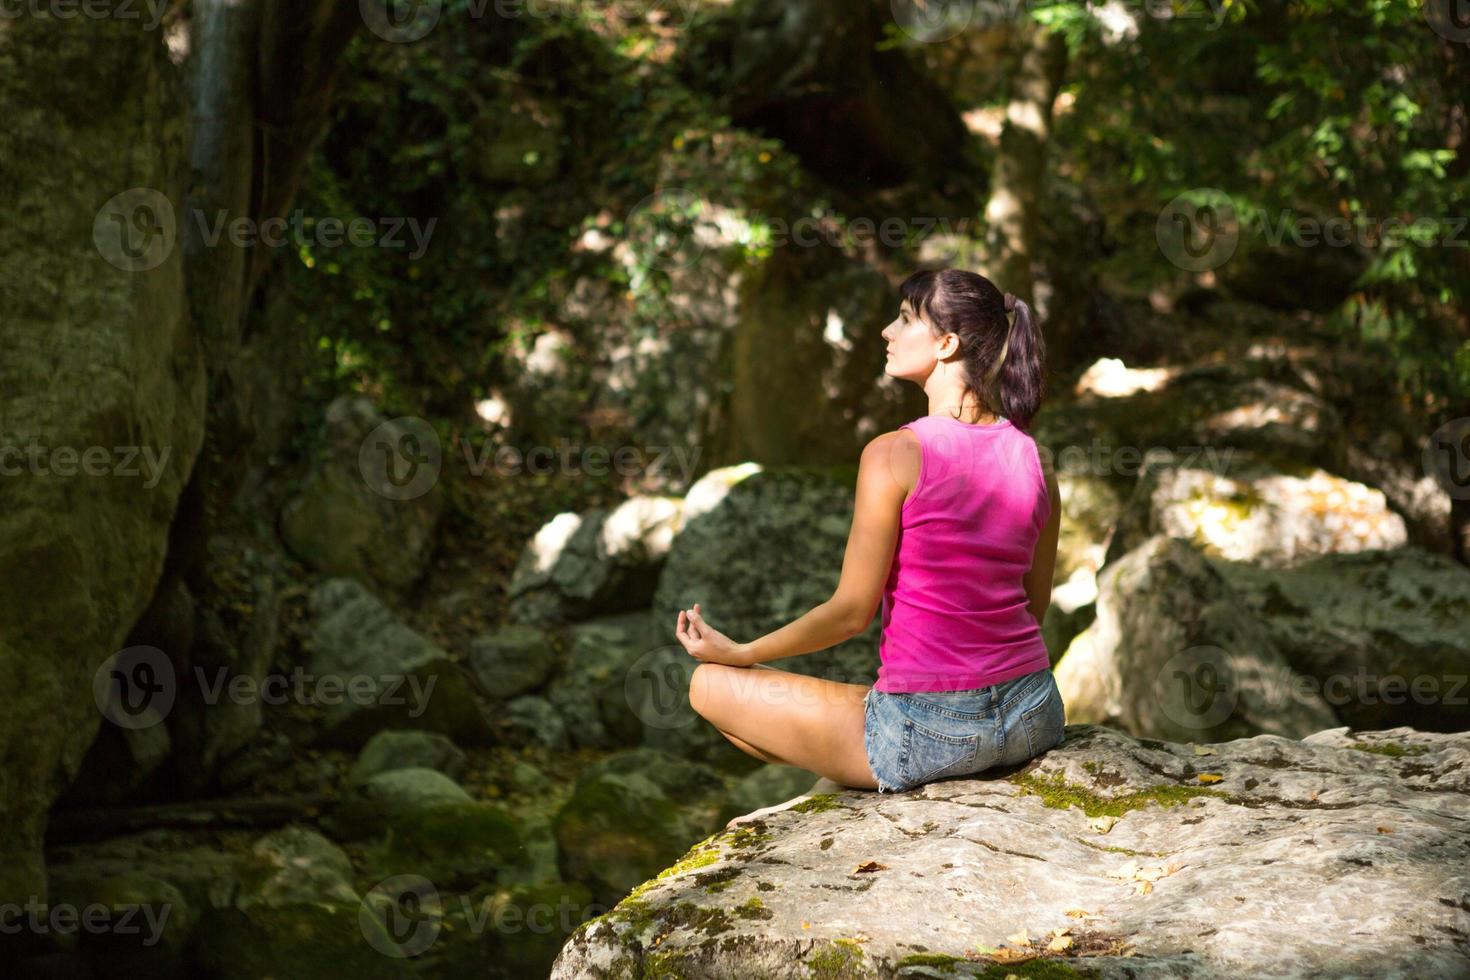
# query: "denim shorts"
[[917, 737]]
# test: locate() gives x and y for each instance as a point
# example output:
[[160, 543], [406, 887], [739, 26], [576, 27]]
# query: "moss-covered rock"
[[631, 814], [1100, 857]]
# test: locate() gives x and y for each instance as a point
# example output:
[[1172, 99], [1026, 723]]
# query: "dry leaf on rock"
[[1210, 777], [1013, 955], [1145, 876], [868, 866]]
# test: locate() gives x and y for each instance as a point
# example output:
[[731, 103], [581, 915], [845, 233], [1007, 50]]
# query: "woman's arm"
[[1038, 579], [887, 461]]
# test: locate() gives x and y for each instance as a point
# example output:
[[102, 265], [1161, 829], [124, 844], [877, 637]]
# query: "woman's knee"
[[701, 687]]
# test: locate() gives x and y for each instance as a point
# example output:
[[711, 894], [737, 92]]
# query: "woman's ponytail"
[[1013, 384]]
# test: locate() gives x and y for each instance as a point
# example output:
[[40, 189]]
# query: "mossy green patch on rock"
[[1059, 794], [1119, 850], [753, 908], [717, 880], [1388, 748], [817, 804], [1042, 968], [942, 962], [838, 959], [743, 837]]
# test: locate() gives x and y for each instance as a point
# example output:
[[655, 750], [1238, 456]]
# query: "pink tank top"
[[954, 607]]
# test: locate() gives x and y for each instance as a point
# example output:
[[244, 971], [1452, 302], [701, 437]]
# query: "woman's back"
[[955, 611]]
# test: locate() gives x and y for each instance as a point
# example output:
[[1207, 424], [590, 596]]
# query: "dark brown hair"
[[1004, 361]]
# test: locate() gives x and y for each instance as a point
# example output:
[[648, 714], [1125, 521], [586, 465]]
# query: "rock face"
[[1188, 646], [1381, 633], [631, 814], [604, 561], [375, 672], [1175, 653], [1340, 855], [371, 501], [94, 306], [1248, 511]]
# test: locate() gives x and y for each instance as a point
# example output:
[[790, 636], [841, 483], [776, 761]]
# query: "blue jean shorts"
[[917, 737]]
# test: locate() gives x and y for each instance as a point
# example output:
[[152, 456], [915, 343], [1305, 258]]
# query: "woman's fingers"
[[685, 632]]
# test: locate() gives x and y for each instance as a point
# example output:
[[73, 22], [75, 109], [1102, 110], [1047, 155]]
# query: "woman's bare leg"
[[807, 722], [749, 749]]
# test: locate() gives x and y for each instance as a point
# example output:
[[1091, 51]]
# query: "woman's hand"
[[708, 644]]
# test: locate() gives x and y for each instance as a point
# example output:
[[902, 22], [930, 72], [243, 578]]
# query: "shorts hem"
[[968, 682]]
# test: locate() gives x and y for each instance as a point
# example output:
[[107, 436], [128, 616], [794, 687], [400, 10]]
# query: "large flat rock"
[[1344, 854]]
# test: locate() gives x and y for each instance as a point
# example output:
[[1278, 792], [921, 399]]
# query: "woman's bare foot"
[[822, 785]]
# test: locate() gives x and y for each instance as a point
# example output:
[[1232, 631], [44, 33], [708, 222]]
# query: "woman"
[[954, 531]]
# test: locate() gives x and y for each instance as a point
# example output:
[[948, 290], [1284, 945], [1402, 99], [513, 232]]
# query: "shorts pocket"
[[928, 754], [1045, 722]]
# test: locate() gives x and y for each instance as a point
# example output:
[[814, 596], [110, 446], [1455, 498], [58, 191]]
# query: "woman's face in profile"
[[910, 345]]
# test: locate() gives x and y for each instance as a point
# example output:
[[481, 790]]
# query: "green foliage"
[[1324, 109]]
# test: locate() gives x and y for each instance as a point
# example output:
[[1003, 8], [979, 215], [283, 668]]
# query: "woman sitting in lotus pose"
[[954, 531]]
